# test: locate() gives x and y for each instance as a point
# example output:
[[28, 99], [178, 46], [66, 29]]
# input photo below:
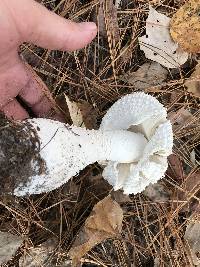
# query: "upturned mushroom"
[[133, 143]]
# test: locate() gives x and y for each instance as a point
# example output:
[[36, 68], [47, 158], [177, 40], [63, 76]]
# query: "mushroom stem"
[[39, 155], [117, 145], [66, 150], [87, 146]]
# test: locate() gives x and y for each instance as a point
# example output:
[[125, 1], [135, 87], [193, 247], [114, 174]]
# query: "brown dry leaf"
[[97, 186], [157, 192], [149, 74], [104, 222], [193, 84], [82, 113], [75, 112], [185, 116], [89, 114], [192, 235], [120, 197], [192, 182], [185, 26], [181, 118], [175, 169]]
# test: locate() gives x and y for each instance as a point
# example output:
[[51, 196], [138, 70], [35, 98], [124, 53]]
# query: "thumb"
[[48, 30]]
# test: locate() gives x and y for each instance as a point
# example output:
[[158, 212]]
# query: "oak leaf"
[[105, 221]]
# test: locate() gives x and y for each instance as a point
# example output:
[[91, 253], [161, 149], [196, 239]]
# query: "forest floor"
[[159, 225]]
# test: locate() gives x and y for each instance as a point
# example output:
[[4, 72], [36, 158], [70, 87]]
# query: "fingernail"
[[88, 26]]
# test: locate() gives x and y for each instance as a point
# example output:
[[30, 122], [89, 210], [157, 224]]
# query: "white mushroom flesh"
[[142, 113], [134, 140], [69, 149]]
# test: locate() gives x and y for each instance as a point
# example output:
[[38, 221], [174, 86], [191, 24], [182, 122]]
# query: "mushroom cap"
[[142, 113]]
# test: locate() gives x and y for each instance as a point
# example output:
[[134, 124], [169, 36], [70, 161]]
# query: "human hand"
[[27, 21]]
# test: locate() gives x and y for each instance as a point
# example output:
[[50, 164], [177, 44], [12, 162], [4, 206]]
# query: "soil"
[[19, 149]]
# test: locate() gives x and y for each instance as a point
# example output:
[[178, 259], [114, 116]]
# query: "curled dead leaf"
[[104, 222], [82, 113], [149, 74], [185, 26]]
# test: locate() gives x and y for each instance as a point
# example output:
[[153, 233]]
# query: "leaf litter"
[[104, 222], [149, 74], [153, 224], [38, 256]]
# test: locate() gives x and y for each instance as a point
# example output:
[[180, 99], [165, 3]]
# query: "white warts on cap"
[[142, 113]]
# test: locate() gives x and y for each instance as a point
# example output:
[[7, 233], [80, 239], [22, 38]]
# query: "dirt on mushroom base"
[[19, 146], [152, 230]]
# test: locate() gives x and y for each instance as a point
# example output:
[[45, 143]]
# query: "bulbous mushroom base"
[[19, 154]]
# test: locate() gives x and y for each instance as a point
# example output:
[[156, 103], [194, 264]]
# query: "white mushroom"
[[133, 141], [141, 113]]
